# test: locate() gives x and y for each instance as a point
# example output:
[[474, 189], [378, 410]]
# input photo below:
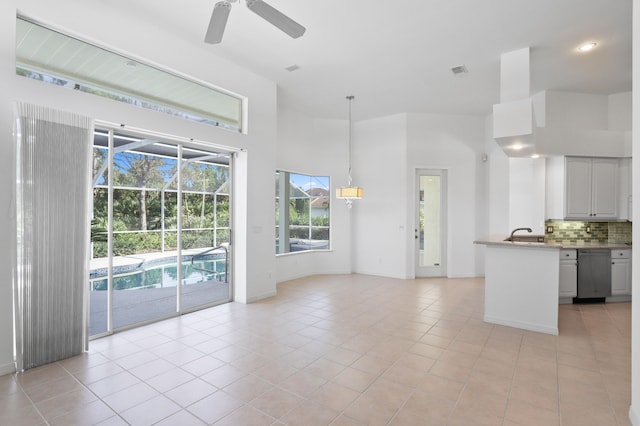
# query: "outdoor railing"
[[214, 272]]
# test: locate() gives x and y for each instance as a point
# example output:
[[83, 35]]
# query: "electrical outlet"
[[549, 229]]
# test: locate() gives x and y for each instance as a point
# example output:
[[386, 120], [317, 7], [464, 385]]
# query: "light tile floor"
[[341, 350]]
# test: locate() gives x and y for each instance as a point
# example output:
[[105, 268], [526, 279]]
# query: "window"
[[56, 58], [302, 212]]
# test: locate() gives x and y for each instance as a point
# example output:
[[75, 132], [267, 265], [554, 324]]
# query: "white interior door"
[[430, 223]]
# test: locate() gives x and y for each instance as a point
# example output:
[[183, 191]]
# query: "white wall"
[[527, 194], [379, 221], [7, 67], [317, 147], [619, 111], [498, 187], [456, 144], [143, 40], [634, 412], [583, 124], [376, 236], [620, 118], [576, 110], [592, 143]]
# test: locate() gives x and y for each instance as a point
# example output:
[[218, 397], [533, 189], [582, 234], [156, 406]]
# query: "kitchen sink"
[[526, 239]]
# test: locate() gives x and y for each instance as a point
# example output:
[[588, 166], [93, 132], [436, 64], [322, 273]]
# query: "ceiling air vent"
[[293, 67], [460, 71]]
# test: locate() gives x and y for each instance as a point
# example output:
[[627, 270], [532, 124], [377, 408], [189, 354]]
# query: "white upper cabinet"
[[577, 188], [604, 188], [591, 188], [582, 188]]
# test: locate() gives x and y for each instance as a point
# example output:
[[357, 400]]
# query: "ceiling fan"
[[222, 9]]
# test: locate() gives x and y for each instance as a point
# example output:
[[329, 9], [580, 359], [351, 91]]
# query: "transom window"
[[56, 58]]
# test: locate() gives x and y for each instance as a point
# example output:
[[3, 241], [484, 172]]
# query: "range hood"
[[514, 128], [513, 118]]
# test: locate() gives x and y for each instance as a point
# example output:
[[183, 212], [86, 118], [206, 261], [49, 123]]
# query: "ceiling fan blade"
[[275, 17], [218, 22]]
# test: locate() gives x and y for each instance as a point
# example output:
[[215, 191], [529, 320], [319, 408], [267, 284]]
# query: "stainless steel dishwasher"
[[594, 275]]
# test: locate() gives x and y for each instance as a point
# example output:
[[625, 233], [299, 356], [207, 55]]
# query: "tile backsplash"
[[578, 232]]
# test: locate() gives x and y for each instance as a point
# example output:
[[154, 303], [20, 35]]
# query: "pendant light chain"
[[350, 192]]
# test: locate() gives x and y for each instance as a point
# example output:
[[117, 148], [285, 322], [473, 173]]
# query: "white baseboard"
[[373, 274], [466, 276], [378, 274], [261, 296], [523, 325], [9, 368], [311, 274], [634, 416]]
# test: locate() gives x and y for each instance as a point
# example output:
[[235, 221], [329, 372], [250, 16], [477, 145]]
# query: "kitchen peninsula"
[[522, 280], [521, 284]]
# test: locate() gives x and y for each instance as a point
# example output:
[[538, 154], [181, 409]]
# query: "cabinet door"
[[624, 189], [578, 188], [568, 278], [604, 184], [620, 277]]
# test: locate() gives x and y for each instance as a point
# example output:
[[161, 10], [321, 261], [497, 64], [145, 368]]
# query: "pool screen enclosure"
[[157, 203]]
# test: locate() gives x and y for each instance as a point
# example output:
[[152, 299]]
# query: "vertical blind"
[[53, 199]]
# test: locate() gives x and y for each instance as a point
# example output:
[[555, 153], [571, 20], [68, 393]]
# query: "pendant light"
[[349, 192]]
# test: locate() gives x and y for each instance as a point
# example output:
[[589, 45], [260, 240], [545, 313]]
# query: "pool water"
[[162, 275]]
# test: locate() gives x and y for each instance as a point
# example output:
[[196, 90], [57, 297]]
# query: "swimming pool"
[[161, 273]]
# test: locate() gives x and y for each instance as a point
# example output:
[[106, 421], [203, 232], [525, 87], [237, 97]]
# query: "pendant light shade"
[[349, 192]]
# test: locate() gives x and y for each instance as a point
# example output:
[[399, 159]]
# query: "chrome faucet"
[[529, 230]]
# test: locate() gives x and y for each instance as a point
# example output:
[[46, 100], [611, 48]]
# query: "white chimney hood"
[[514, 128], [513, 118]]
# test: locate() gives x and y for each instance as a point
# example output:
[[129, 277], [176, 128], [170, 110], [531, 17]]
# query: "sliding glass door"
[[205, 229], [161, 230]]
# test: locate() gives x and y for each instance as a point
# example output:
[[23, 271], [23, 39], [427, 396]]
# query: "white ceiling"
[[396, 56]]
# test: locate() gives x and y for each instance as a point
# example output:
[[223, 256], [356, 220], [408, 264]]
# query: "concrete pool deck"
[[134, 306]]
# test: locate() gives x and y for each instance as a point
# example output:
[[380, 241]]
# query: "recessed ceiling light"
[[535, 156], [517, 146], [587, 47]]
